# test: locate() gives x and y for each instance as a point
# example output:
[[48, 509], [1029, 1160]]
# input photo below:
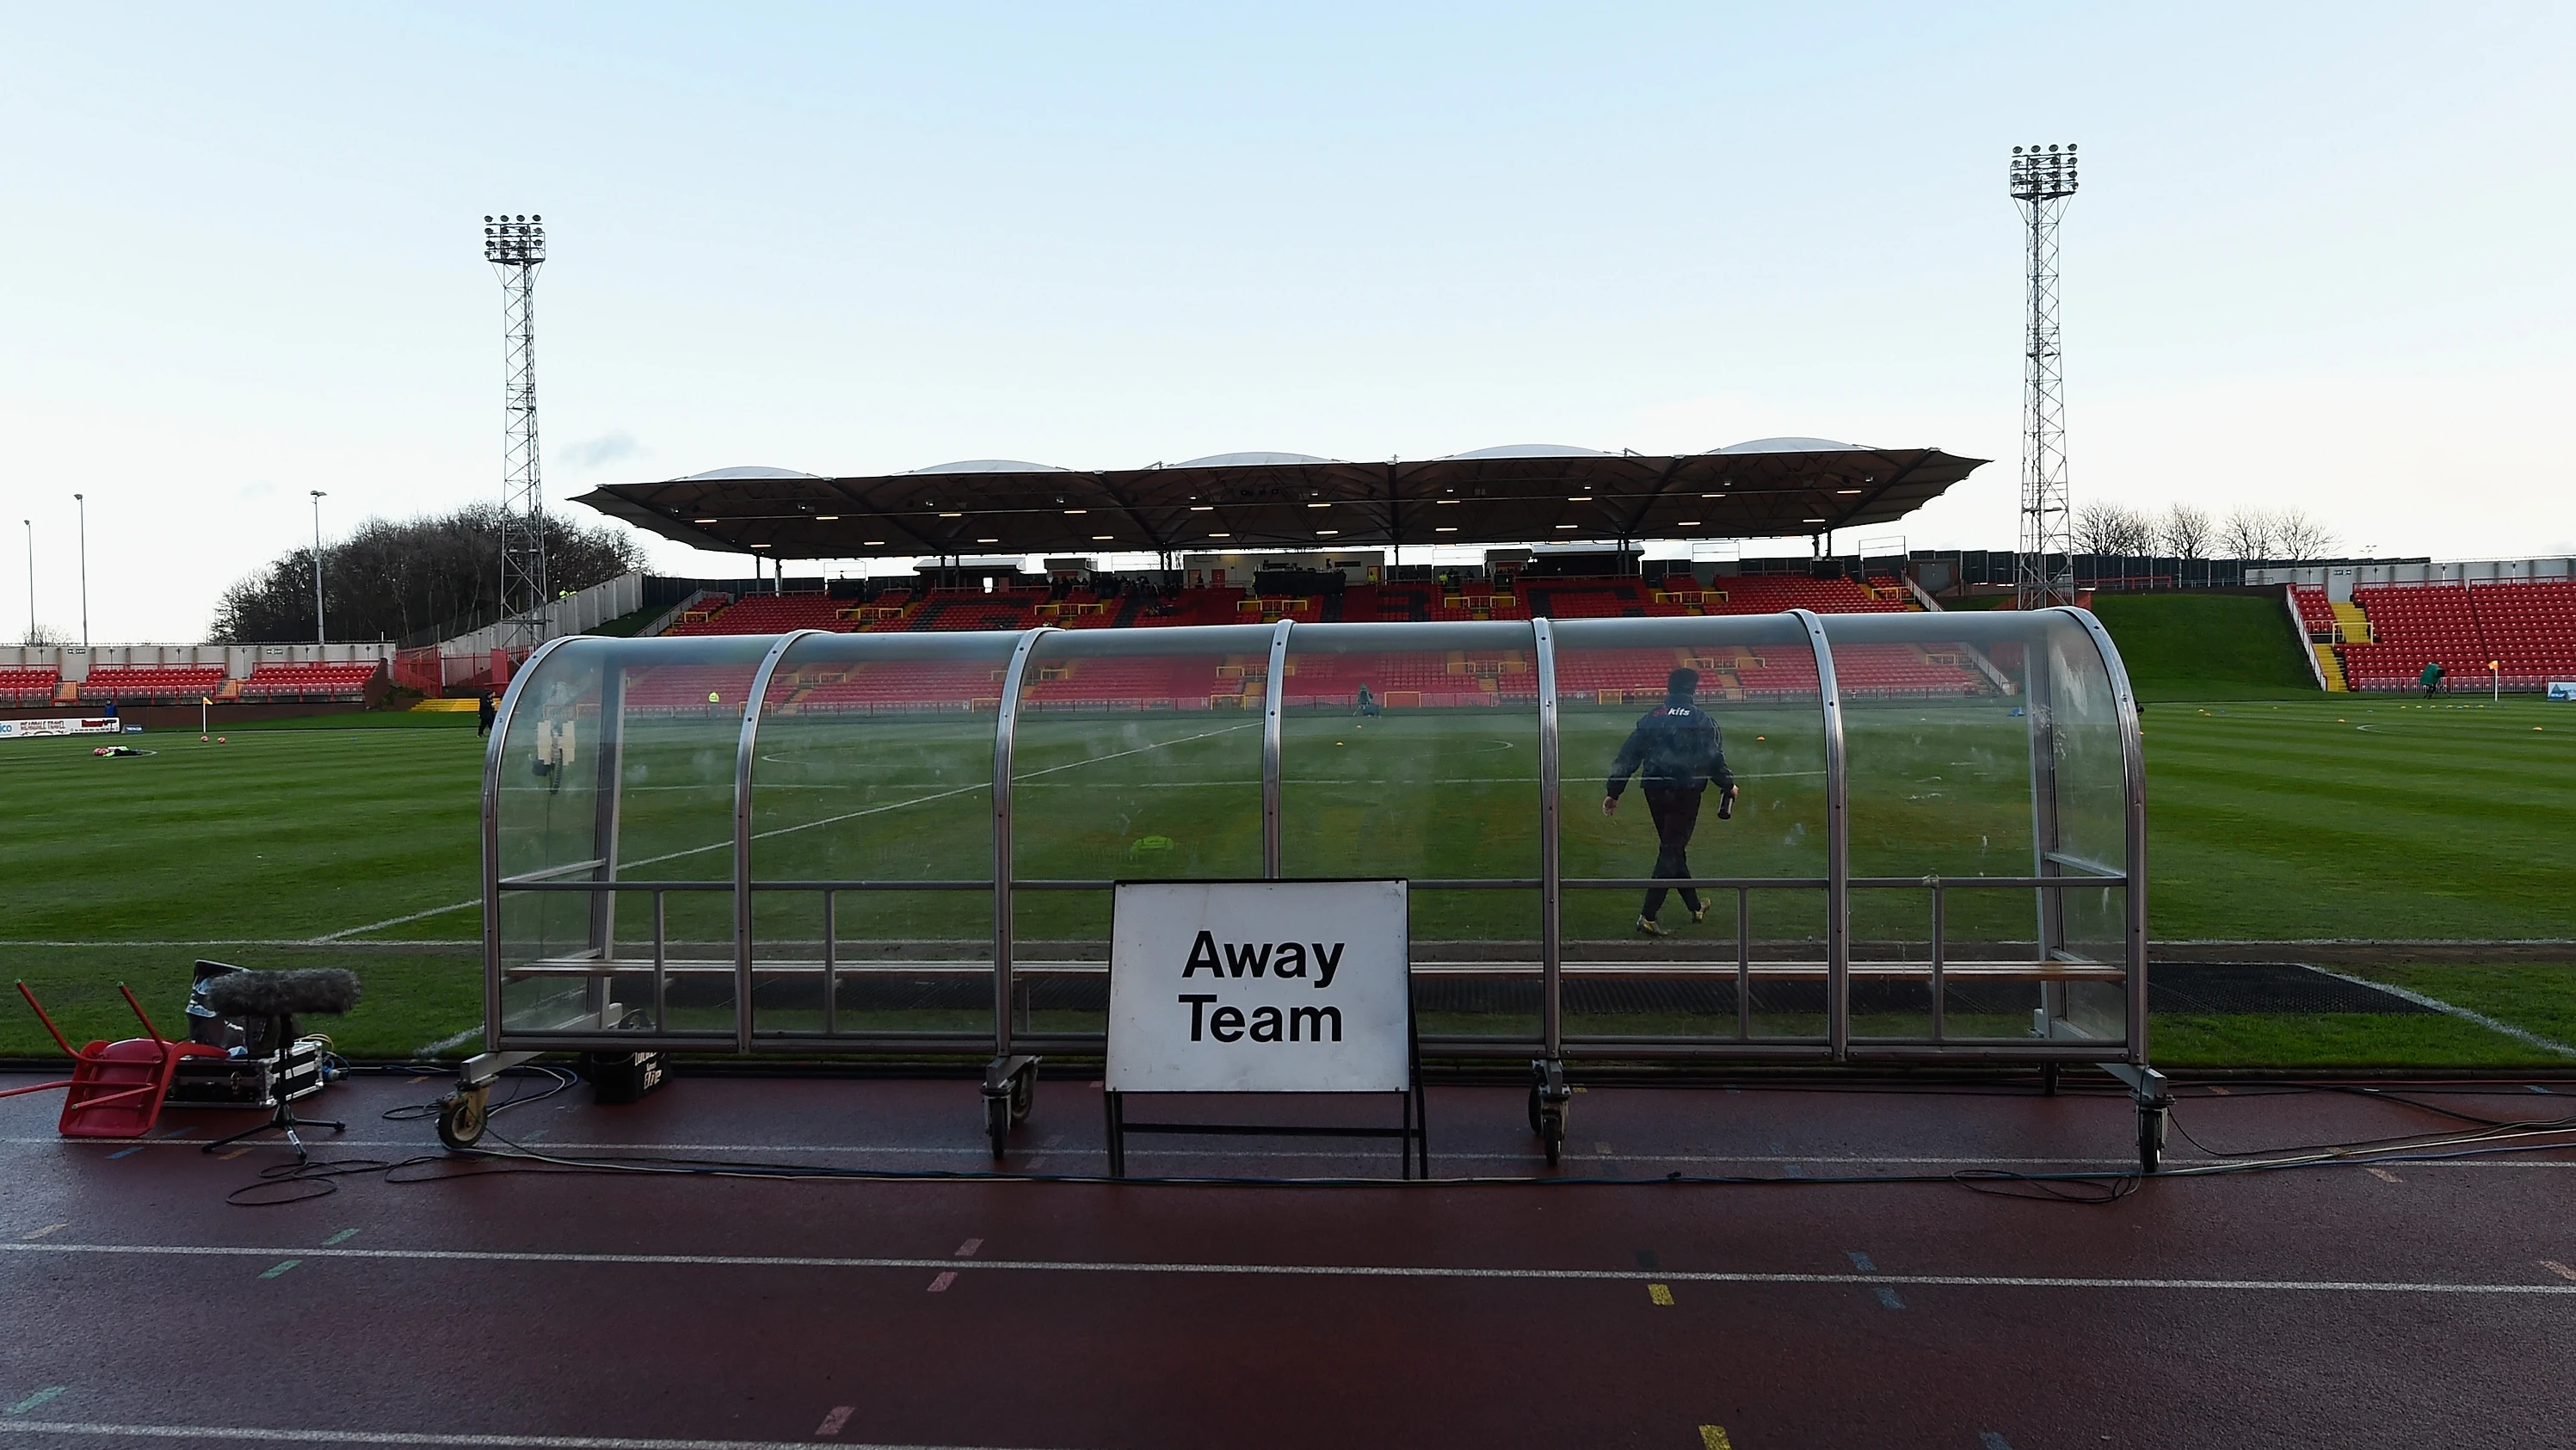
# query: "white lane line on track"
[[1301, 1271], [16, 1428], [803, 826], [981, 1155]]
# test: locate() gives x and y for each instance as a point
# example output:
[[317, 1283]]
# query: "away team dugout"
[[905, 843]]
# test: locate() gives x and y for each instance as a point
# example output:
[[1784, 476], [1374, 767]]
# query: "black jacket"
[[1675, 747]]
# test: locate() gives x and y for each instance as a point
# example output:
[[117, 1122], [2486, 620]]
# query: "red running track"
[[2426, 1303]]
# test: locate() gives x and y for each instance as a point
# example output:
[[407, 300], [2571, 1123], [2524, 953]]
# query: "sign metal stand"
[[1260, 1003], [1415, 1131]]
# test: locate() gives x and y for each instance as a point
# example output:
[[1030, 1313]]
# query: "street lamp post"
[[318, 496], [83, 501]]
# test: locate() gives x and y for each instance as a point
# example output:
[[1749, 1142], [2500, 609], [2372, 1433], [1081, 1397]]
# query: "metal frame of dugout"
[[612, 793]]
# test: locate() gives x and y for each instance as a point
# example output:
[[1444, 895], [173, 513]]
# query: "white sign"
[[27, 729], [2562, 689], [1259, 987]]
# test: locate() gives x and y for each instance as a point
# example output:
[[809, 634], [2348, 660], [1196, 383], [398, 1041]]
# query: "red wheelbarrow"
[[116, 1088]]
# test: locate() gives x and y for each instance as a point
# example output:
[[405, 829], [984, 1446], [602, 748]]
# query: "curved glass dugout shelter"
[[905, 842]]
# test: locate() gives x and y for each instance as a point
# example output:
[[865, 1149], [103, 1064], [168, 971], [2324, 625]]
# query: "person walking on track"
[[1677, 752]]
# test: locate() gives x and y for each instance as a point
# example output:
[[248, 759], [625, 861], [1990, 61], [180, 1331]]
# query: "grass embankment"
[[2181, 646]]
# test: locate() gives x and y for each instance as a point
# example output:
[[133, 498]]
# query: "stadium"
[[1523, 944]]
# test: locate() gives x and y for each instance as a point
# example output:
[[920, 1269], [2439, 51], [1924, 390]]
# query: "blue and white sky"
[[2321, 257]]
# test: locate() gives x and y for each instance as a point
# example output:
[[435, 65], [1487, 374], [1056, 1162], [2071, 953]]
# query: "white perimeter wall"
[[238, 660], [595, 605], [588, 609], [2339, 580]]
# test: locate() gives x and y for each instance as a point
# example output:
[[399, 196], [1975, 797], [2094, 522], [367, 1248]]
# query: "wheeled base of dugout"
[[1010, 1090], [2155, 1107], [464, 1112], [1551, 1104]]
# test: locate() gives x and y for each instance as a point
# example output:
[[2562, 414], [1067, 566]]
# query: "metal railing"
[[2053, 967]]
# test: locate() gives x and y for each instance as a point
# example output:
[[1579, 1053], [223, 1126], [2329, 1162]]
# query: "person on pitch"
[[1677, 752]]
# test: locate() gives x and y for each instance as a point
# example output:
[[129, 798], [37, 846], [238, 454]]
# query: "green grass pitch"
[[2272, 820]]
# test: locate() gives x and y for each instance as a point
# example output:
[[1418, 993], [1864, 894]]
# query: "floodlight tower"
[[2043, 177], [516, 248]]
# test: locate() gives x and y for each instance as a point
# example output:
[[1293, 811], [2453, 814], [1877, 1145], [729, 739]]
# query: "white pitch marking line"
[[457, 945], [2534, 1039], [418, 1437], [394, 921], [800, 826], [1300, 1271], [458, 1039]]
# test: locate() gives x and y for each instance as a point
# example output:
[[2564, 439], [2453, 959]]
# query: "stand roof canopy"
[[1240, 502]]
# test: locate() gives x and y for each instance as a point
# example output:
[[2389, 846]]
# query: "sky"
[[2319, 260]]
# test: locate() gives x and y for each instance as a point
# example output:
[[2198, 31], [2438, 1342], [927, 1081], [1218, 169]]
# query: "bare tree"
[[2297, 534], [391, 579], [2292, 533], [2187, 532], [2247, 534], [2110, 528], [40, 636]]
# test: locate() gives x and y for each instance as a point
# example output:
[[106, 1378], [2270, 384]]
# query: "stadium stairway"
[[2330, 668]]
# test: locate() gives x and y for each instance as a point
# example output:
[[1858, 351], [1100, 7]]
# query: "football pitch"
[[2271, 822]]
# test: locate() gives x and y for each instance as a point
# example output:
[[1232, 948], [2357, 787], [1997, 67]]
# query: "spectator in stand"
[[2431, 679], [484, 710], [1678, 752]]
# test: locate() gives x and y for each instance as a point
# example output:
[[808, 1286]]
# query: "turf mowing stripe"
[[2533, 1039], [727, 845], [1315, 1271]]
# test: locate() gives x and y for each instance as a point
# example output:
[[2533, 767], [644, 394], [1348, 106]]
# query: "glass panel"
[[1976, 743], [1412, 751], [2092, 826], [1138, 757], [874, 765], [617, 765], [1757, 683]]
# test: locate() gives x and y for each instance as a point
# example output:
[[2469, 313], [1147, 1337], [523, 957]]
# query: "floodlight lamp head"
[[2043, 174]]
